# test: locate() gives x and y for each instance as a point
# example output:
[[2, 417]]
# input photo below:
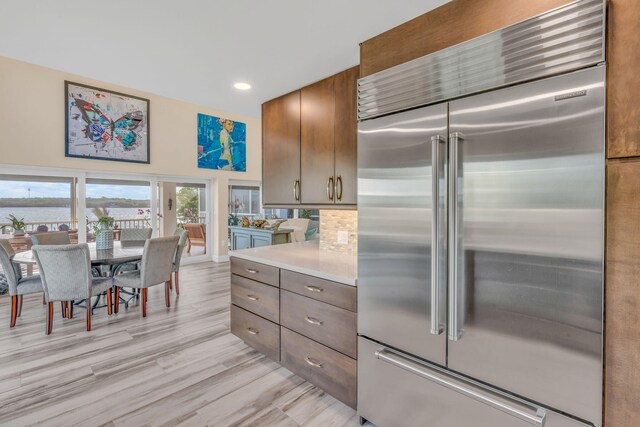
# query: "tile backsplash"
[[339, 231]]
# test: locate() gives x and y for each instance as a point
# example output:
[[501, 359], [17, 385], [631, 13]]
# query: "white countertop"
[[305, 258]]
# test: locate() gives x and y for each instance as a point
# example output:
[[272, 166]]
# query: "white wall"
[[32, 103]]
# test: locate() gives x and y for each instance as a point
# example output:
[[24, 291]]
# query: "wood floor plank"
[[176, 367]]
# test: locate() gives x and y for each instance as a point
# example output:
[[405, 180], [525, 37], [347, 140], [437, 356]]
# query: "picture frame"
[[103, 124]]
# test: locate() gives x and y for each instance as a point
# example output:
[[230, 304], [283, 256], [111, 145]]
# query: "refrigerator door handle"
[[538, 419], [456, 261], [436, 328]]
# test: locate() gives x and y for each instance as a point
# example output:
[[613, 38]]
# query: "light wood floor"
[[179, 366]]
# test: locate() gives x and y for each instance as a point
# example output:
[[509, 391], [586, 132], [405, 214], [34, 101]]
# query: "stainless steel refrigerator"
[[480, 258]]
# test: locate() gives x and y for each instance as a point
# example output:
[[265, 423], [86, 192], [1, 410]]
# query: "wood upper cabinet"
[[281, 150], [322, 160], [317, 120], [346, 136]]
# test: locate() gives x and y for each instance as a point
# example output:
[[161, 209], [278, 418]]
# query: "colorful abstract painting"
[[221, 144], [106, 125]]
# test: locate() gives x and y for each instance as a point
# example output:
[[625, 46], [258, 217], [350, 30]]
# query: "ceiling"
[[194, 50]]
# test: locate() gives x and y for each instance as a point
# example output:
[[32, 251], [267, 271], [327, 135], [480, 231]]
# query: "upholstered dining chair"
[[18, 286], [175, 269], [155, 269], [66, 276], [135, 234], [197, 236], [51, 238]]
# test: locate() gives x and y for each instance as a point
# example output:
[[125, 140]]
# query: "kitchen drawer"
[[396, 390], [256, 297], [332, 326], [333, 372], [333, 293], [256, 271], [259, 333]]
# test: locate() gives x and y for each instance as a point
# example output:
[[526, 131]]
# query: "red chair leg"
[[49, 319], [63, 306], [143, 302], [170, 281], [167, 294], [88, 316], [70, 310], [14, 309], [109, 302], [116, 302], [177, 284]]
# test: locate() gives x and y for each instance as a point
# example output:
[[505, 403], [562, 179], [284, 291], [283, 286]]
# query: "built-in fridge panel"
[[526, 240], [402, 266]]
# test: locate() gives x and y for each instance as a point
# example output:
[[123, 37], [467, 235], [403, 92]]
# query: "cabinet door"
[[317, 148], [281, 150], [259, 240], [346, 137], [240, 241]]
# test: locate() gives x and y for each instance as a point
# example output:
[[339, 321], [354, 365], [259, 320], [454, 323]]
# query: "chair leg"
[[88, 317], [167, 294], [49, 325], [177, 284], [70, 310], [63, 305], [116, 300], [43, 299], [109, 302], [170, 281], [20, 300], [143, 302], [14, 309]]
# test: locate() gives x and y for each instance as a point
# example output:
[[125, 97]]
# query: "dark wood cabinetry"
[[281, 150], [326, 167]]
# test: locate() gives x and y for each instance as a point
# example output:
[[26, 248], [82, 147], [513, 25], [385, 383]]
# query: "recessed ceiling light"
[[242, 86]]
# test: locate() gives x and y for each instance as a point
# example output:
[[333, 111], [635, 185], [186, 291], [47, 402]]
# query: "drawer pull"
[[253, 297], [314, 288], [252, 271], [313, 320], [313, 362], [253, 331]]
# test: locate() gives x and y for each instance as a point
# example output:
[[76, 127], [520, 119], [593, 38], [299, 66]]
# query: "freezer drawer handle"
[[436, 327], [537, 420], [313, 320]]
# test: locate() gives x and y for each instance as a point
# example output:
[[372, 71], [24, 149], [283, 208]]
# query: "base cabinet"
[[299, 328]]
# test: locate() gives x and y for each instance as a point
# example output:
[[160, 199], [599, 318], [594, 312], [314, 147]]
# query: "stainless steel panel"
[[559, 41], [530, 234], [395, 211], [395, 389]]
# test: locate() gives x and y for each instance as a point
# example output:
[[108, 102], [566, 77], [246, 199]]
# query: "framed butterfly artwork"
[[105, 125]]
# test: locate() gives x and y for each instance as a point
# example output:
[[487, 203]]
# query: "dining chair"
[[135, 234], [18, 286], [66, 276], [155, 269], [197, 236], [175, 269], [51, 238]]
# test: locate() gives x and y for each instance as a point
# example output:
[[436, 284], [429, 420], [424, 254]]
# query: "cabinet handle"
[[253, 297], [252, 271], [296, 190], [339, 193], [330, 188], [313, 362], [253, 331], [313, 288], [313, 320]]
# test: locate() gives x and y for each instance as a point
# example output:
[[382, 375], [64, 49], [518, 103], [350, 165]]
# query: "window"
[[244, 201], [128, 202], [191, 203]]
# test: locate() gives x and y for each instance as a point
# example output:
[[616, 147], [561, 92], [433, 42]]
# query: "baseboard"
[[221, 258]]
